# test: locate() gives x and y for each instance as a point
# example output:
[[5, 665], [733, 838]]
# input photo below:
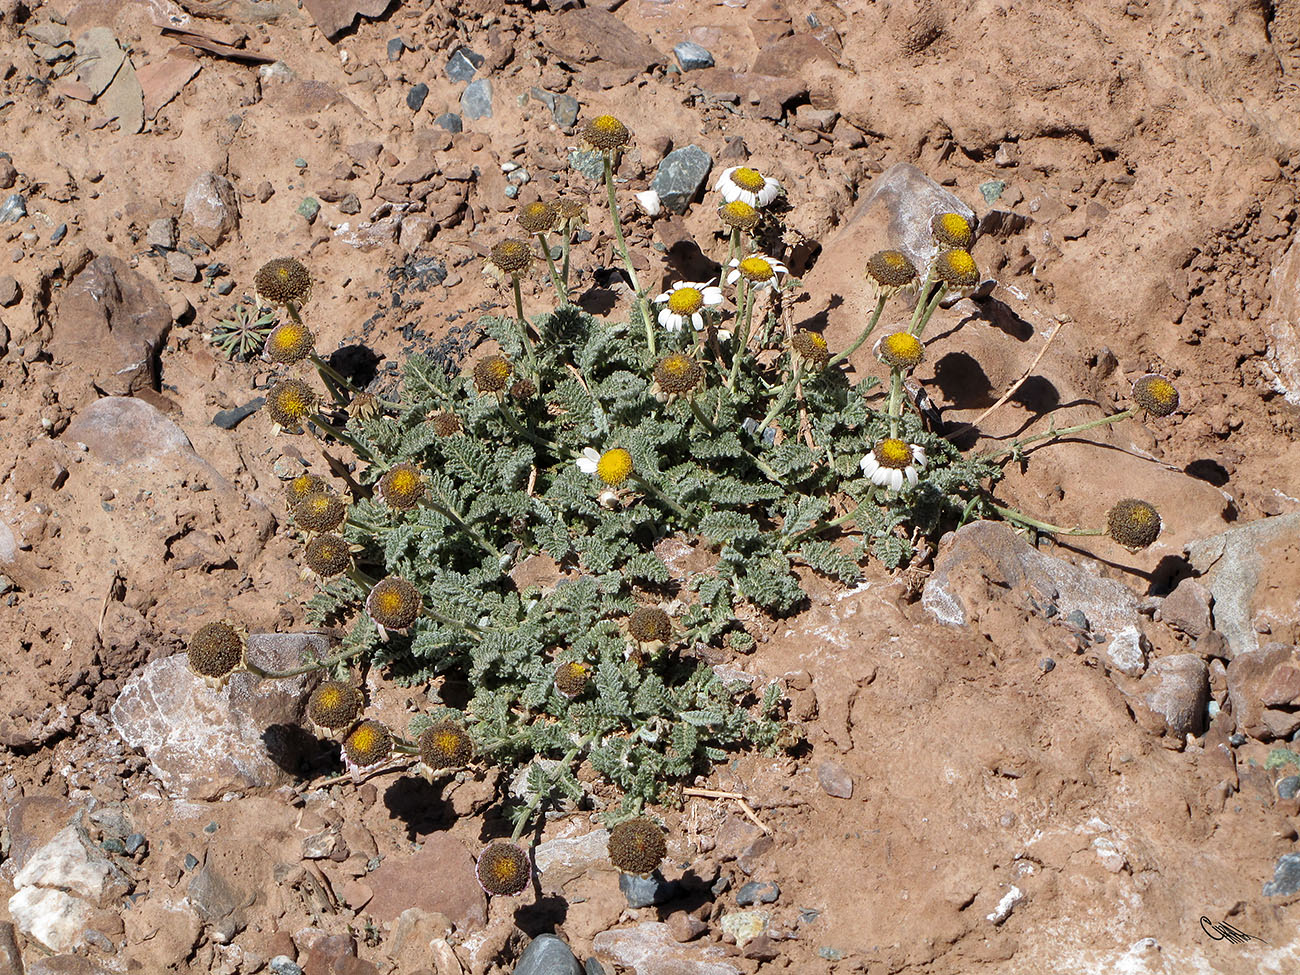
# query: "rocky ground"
[[1017, 760]]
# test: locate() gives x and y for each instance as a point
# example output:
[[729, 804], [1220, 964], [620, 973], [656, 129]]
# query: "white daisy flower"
[[613, 467], [893, 462], [747, 185], [759, 270], [685, 302]]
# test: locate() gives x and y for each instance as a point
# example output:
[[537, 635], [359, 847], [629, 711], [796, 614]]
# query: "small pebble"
[[1237, 740], [229, 419], [212, 827], [416, 96], [308, 208], [758, 893], [512, 191], [225, 286], [1047, 665], [283, 965], [1288, 787], [463, 64], [113, 845], [395, 48], [450, 121], [350, 204], [565, 111], [645, 891], [14, 208], [191, 861], [10, 291], [1076, 617], [476, 101], [264, 191], [692, 56], [134, 842], [60, 232], [181, 266]]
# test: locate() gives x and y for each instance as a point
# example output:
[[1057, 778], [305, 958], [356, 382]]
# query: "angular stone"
[[564, 112], [202, 743], [1286, 876], [1187, 608], [416, 96], [181, 266], [450, 121], [835, 780], [562, 860], [333, 17], [163, 80], [650, 949], [109, 325], [680, 176], [99, 57], [1264, 687], [476, 99], [439, 878], [122, 430], [904, 200], [71, 863], [789, 56], [463, 64], [161, 234], [217, 902], [593, 34], [212, 208], [124, 99], [1127, 651], [547, 955], [55, 919], [1178, 688], [692, 57], [646, 891], [10, 290]]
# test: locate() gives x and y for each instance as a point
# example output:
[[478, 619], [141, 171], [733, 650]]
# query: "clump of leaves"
[[243, 335]]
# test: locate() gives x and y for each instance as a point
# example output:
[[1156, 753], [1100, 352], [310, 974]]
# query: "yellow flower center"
[[676, 366], [738, 213], [446, 742], [330, 697], [405, 481], [294, 404], [365, 738], [894, 453], [748, 179], [505, 870], [1162, 391], [686, 301], [961, 262], [902, 348], [607, 124], [389, 602], [614, 466], [953, 226], [282, 273], [498, 369], [288, 336], [756, 269]]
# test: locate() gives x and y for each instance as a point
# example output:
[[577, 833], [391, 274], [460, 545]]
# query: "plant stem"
[[734, 250], [326, 370], [922, 293], [448, 511], [857, 344], [699, 415], [541, 795], [1020, 444], [784, 399], [918, 326], [895, 400], [561, 291], [833, 523], [741, 345], [627, 257], [564, 254], [523, 325], [338, 658], [1022, 519], [343, 436], [661, 497]]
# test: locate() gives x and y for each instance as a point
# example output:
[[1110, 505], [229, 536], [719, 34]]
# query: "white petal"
[[778, 267], [909, 472], [769, 192], [649, 201], [662, 297], [725, 178], [918, 456], [586, 466], [733, 277], [670, 321], [880, 477], [895, 479], [697, 321], [712, 295], [731, 192], [869, 464], [724, 335]]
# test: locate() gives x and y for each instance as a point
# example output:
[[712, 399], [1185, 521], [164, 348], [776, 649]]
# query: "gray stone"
[[992, 189], [650, 949], [8, 172], [123, 430], [134, 842], [99, 58], [594, 967], [450, 121], [416, 96], [1127, 651], [350, 204], [476, 99], [1178, 688], [395, 48], [835, 780], [680, 176], [181, 266], [60, 232], [1230, 564], [1079, 618], [217, 902], [547, 955], [308, 208], [229, 419], [758, 893], [562, 860], [1286, 876], [692, 56], [11, 962], [14, 208], [463, 64], [646, 891], [10, 291], [204, 743], [1288, 787], [1187, 608], [212, 208], [587, 163], [565, 111]]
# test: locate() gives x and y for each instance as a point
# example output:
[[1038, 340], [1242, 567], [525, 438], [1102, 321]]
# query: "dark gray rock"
[[692, 57], [594, 967], [416, 96], [450, 121], [463, 64], [10, 290], [134, 842], [14, 208], [547, 955], [680, 176], [308, 208], [60, 232], [1286, 876], [587, 163], [1078, 618], [350, 204], [758, 893], [646, 891], [1288, 787], [476, 99], [395, 48], [229, 419], [565, 111]]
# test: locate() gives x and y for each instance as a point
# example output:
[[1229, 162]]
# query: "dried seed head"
[[289, 342], [1133, 523], [740, 214], [901, 350], [394, 603], [891, 270], [571, 678], [512, 257], [216, 651], [369, 744], [538, 217], [677, 373], [605, 133], [402, 487], [503, 869], [303, 485], [320, 512], [614, 466], [523, 389], [811, 347], [952, 230], [571, 211], [491, 373], [445, 745], [637, 846], [1155, 394], [334, 705], [446, 424], [650, 624], [283, 281], [327, 556], [289, 402], [956, 268]]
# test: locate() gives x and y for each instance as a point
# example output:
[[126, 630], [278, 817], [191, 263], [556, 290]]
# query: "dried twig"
[[736, 797], [1010, 392]]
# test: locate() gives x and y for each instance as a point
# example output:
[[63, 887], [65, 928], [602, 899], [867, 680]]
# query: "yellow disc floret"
[[320, 512], [491, 373], [334, 705], [738, 213], [637, 846], [303, 485], [1155, 394], [503, 869], [369, 744], [756, 269], [750, 180], [571, 678], [811, 347], [614, 466], [289, 342], [289, 402], [901, 350], [956, 268], [678, 373], [283, 281], [891, 270], [402, 487], [685, 301], [538, 217], [512, 257], [893, 453], [445, 745], [650, 624], [605, 133], [327, 556], [394, 603], [952, 230], [1134, 523]]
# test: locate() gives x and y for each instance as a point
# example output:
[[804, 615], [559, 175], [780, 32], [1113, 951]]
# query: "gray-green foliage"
[[507, 487]]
